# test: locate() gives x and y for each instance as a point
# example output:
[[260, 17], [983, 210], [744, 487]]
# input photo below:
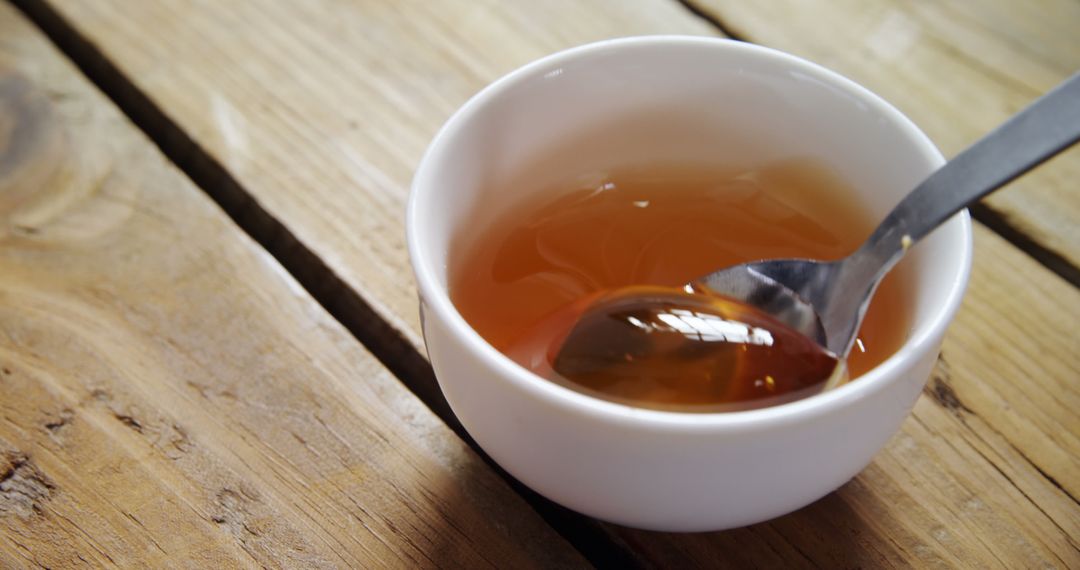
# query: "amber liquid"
[[665, 225]]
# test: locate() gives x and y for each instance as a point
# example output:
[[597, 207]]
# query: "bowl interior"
[[671, 99]]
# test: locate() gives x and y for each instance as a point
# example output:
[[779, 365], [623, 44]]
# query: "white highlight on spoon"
[[708, 328]]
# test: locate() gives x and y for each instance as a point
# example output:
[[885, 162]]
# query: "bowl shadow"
[[840, 530]]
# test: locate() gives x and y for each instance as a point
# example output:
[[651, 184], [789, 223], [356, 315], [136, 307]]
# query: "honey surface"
[[662, 226]]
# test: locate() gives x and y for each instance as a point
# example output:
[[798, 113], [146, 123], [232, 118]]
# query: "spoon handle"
[[1044, 128]]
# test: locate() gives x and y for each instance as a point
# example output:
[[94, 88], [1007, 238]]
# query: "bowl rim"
[[438, 301]]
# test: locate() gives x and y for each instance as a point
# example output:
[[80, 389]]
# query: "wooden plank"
[[170, 397], [329, 119], [957, 68], [324, 124]]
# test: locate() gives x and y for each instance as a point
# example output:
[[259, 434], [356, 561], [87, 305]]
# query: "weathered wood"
[[330, 118], [957, 68], [170, 397], [323, 125]]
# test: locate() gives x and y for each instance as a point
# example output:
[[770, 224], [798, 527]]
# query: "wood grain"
[[324, 124], [169, 397], [958, 68]]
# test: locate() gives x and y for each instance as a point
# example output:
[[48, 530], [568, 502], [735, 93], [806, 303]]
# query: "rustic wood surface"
[[325, 124], [318, 112], [958, 68], [169, 396]]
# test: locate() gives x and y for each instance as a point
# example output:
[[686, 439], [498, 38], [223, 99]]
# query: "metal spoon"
[[826, 301]]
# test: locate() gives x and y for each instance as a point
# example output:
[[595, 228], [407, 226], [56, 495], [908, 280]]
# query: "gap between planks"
[[713, 21], [994, 219], [349, 308]]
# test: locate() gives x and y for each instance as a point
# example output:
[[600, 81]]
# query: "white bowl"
[[673, 98]]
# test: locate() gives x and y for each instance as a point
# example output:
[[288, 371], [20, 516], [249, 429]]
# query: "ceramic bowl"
[[672, 98]]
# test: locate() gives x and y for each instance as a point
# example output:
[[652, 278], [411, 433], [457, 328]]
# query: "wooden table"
[[209, 349]]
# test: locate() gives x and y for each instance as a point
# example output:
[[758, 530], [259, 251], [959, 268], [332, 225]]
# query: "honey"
[[632, 238]]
